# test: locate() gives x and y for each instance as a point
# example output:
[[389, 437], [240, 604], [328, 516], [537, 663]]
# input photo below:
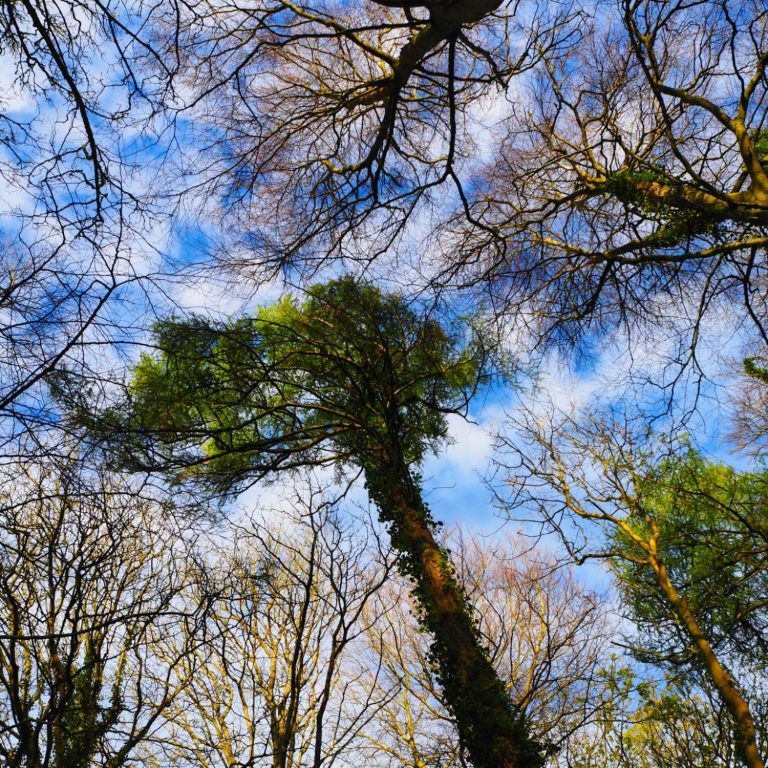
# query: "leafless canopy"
[[325, 121], [72, 200], [584, 164]]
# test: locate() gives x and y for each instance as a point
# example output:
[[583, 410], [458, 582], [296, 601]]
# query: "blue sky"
[[454, 479]]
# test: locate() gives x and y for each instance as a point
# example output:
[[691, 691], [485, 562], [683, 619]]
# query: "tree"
[[626, 181], [671, 728], [339, 116], [76, 135], [80, 65], [685, 539], [351, 375], [635, 183], [654, 724], [548, 639], [88, 585], [749, 411], [52, 296], [276, 675], [549, 635]]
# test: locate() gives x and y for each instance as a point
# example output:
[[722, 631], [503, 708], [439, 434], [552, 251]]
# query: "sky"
[[169, 266], [456, 480]]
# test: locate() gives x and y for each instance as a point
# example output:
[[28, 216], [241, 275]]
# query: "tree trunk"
[[745, 733], [490, 728]]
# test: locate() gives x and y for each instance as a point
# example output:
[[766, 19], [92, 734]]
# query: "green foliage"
[[708, 522], [345, 375], [760, 143], [674, 726], [755, 368], [624, 183], [675, 225], [627, 185]]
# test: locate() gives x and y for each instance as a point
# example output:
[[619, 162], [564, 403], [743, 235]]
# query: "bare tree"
[[278, 678], [626, 180], [321, 121], [79, 65], [76, 137], [632, 184], [548, 639], [88, 582], [749, 407]]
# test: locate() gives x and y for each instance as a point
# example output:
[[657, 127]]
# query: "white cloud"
[[224, 296]]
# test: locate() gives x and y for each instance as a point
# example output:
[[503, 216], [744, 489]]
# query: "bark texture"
[[491, 729], [745, 736]]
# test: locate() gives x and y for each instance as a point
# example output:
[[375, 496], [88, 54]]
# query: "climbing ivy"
[[675, 225]]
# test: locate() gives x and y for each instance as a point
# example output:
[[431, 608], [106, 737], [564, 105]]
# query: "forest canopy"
[[283, 284]]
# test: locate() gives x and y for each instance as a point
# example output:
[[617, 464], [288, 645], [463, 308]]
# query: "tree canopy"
[[586, 165], [709, 526], [685, 538], [572, 171], [349, 375]]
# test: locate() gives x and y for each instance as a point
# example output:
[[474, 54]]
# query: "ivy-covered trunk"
[[490, 728]]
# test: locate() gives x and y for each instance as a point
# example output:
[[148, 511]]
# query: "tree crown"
[[350, 374]]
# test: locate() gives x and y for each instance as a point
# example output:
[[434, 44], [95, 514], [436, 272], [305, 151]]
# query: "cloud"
[[454, 479]]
